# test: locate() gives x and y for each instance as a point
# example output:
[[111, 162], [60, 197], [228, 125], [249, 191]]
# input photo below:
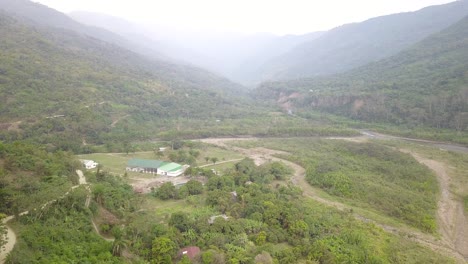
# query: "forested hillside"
[[54, 81], [354, 45], [44, 16], [424, 85]]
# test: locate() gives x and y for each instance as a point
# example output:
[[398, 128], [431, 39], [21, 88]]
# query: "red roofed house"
[[191, 252]]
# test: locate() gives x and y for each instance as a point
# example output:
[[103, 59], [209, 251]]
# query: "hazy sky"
[[249, 16]]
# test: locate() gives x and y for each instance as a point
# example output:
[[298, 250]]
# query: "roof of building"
[[191, 252], [142, 163], [88, 162], [170, 167]]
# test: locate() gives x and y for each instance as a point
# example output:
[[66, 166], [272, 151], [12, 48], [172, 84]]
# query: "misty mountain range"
[[251, 59], [56, 64]]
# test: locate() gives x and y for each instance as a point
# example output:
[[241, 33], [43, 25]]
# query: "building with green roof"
[[171, 169], [155, 167]]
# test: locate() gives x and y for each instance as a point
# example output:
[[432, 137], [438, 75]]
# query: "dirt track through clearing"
[[453, 231], [453, 225]]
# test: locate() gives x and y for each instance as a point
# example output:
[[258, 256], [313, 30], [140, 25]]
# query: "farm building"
[[144, 166], [171, 169], [89, 164], [190, 252], [155, 167]]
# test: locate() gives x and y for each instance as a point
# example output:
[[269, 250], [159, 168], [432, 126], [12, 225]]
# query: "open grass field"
[[117, 162], [456, 164], [207, 150], [154, 210]]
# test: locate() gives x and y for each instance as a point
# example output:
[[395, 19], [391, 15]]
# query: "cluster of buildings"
[[147, 166], [156, 167]]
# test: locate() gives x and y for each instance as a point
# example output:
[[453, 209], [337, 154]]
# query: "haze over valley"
[[222, 132]]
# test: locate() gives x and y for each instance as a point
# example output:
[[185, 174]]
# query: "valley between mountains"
[[131, 141]]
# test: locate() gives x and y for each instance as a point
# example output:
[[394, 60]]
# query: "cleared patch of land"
[[116, 163]]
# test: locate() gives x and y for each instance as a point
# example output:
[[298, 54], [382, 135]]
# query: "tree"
[[177, 144], [162, 250], [194, 153], [212, 257], [194, 187], [118, 246], [214, 160], [98, 193], [180, 221], [264, 258], [190, 235], [261, 238], [166, 191], [279, 170], [207, 159], [246, 166], [184, 260]]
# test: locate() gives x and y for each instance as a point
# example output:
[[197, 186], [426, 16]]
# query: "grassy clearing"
[[366, 175], [343, 229], [207, 150], [154, 210], [456, 165], [223, 166], [117, 162]]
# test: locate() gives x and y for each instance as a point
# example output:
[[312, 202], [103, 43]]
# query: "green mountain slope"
[[44, 16], [354, 45], [60, 81], [424, 85]]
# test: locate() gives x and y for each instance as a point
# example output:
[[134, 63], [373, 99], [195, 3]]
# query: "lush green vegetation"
[[62, 87], [272, 223], [61, 233], [368, 175], [276, 224], [455, 162], [72, 93], [424, 86], [31, 176], [61, 91]]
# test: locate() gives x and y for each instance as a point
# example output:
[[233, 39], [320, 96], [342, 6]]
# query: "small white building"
[[89, 164]]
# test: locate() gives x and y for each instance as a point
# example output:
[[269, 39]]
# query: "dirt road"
[[218, 163], [451, 219], [11, 240], [453, 224]]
